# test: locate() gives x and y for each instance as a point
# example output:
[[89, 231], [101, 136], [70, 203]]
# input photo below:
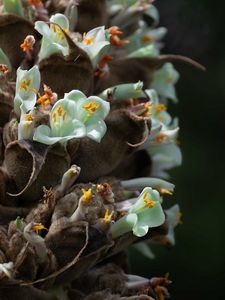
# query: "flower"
[[27, 86], [174, 218], [26, 126], [28, 43], [75, 116], [164, 157], [95, 43], [53, 41], [157, 110], [144, 214], [124, 91], [164, 80]]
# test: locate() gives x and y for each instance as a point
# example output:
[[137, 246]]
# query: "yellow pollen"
[[148, 39], [178, 218], [159, 139], [88, 40], [148, 202], [37, 227], [164, 191], [107, 218], [160, 107], [91, 107], [59, 111], [24, 85], [28, 117], [87, 195], [64, 115], [54, 117]]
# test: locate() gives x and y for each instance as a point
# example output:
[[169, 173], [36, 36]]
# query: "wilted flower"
[[75, 116], [27, 86], [145, 213], [53, 41]]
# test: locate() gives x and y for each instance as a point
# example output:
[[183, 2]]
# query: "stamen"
[[59, 111], [160, 107], [148, 39], [88, 40], [148, 202], [87, 195], [28, 117], [24, 85], [54, 117], [91, 107], [164, 191], [37, 227], [159, 139], [107, 218]]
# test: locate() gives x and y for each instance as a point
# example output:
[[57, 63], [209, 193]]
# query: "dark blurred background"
[[197, 262]]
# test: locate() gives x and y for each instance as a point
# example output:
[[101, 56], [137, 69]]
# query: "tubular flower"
[[158, 111], [144, 214], [174, 218], [27, 86], [95, 43], [26, 126], [114, 36], [164, 80], [75, 116], [53, 41], [91, 112]]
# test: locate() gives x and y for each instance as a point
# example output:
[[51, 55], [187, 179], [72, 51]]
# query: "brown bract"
[[13, 30], [64, 74]]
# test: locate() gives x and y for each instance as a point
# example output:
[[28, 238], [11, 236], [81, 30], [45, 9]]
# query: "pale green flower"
[[13, 7], [145, 41], [164, 157], [158, 111], [144, 214], [75, 116], [173, 217], [91, 112], [95, 43], [54, 40], [124, 91], [26, 126], [27, 87], [164, 80]]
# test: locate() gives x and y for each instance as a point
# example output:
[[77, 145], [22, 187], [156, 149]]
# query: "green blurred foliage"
[[197, 262]]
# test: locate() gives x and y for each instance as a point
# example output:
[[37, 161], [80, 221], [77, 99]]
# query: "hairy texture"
[[14, 28], [97, 160], [37, 164], [77, 67]]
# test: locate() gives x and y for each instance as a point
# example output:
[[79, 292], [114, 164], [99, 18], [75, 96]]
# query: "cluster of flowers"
[[82, 177]]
